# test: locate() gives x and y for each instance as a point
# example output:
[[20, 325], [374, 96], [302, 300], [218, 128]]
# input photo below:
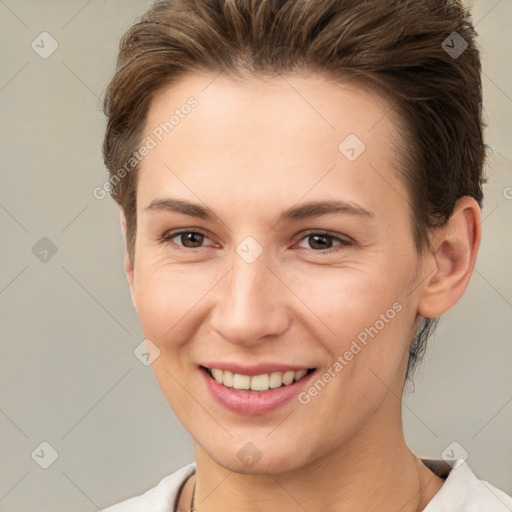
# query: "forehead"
[[273, 102], [282, 132]]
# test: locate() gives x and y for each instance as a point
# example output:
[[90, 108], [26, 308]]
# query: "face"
[[239, 267]]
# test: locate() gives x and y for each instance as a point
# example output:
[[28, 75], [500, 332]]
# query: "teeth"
[[298, 375], [288, 378], [241, 381], [217, 375], [258, 382], [227, 379], [275, 380]]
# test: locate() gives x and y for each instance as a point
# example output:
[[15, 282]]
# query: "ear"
[[450, 266], [128, 265]]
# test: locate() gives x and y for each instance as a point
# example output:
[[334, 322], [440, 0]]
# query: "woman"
[[300, 187]]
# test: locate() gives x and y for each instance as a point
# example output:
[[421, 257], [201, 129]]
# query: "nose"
[[250, 303]]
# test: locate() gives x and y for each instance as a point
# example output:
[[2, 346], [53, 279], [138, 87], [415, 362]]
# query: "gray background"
[[68, 375]]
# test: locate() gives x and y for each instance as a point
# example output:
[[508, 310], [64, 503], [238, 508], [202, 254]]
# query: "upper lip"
[[256, 369]]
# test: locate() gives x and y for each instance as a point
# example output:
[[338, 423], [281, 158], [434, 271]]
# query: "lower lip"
[[254, 403]]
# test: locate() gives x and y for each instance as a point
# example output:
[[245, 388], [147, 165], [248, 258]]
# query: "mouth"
[[256, 383]]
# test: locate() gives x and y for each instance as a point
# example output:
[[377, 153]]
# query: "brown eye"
[[320, 241], [186, 239], [194, 239], [323, 241]]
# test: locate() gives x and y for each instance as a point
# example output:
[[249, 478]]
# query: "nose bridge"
[[250, 303]]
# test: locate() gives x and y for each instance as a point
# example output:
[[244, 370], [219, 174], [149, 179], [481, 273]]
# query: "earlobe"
[[453, 261]]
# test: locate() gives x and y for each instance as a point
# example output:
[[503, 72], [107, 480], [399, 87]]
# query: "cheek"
[[361, 316], [345, 301], [169, 307], [168, 297]]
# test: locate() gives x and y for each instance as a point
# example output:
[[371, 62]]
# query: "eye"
[[186, 239], [323, 242]]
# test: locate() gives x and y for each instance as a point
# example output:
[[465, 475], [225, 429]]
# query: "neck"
[[360, 475]]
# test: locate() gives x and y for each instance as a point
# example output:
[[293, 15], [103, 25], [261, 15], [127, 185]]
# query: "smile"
[[259, 383]]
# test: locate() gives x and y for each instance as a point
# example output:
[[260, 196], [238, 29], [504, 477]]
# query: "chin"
[[276, 464], [260, 456]]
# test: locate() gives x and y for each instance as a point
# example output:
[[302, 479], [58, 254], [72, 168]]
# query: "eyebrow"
[[304, 211]]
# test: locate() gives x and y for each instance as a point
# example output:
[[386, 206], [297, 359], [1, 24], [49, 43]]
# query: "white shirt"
[[461, 492]]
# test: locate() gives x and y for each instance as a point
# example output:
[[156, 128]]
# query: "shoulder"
[[463, 491], [158, 499]]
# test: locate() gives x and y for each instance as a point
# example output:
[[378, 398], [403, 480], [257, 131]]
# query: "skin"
[[251, 149]]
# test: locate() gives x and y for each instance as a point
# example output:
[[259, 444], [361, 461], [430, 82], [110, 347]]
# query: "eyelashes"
[[316, 235], [169, 236], [314, 239]]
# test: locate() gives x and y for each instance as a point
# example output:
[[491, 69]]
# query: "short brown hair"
[[401, 48]]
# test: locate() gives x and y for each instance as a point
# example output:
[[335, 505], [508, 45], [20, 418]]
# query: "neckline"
[[439, 467], [181, 487]]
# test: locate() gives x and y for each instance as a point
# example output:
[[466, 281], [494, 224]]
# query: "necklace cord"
[[192, 509]]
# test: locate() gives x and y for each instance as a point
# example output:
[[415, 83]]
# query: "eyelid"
[[339, 236], [169, 235], [343, 240]]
